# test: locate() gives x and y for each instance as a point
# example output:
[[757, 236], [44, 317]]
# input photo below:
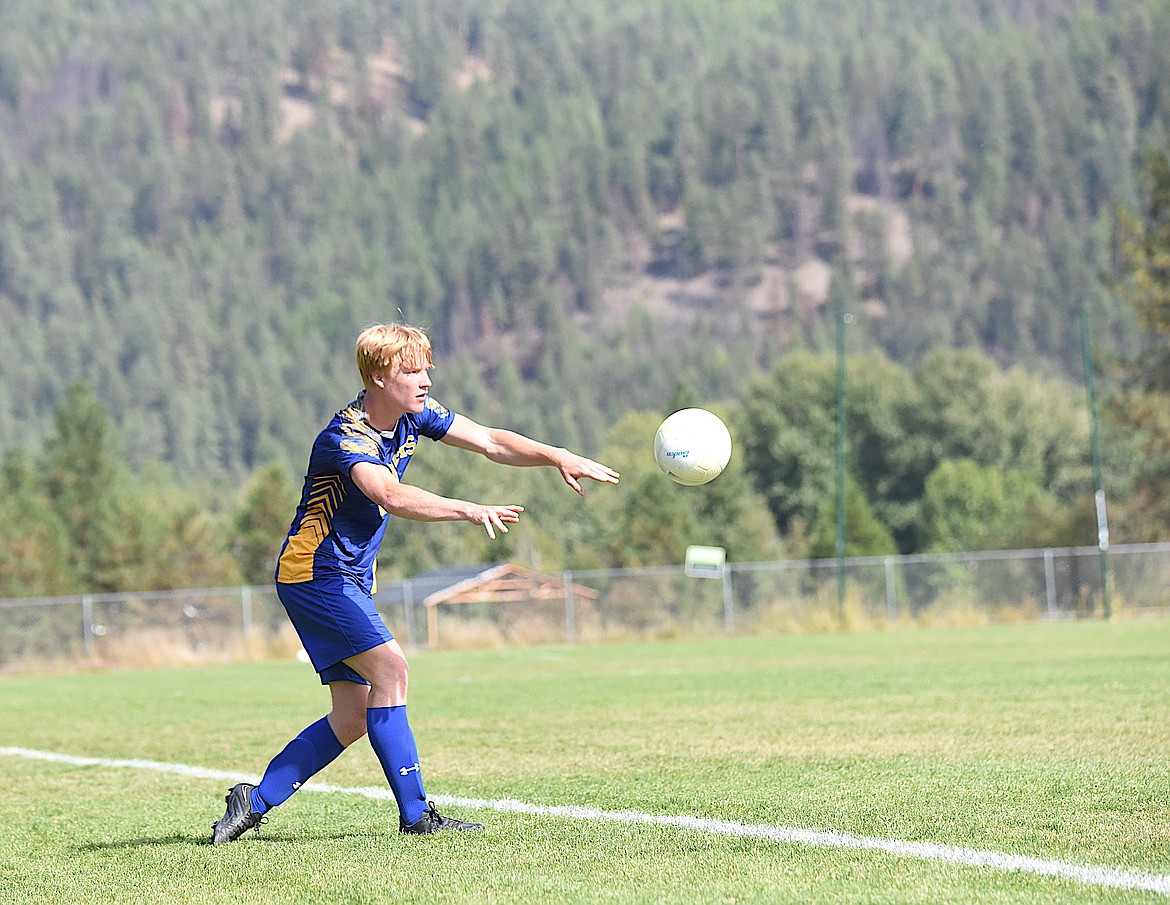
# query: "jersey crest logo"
[[405, 451]]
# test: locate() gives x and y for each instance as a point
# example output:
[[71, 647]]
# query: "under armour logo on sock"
[[402, 771]]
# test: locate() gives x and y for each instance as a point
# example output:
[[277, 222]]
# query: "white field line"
[[927, 851]]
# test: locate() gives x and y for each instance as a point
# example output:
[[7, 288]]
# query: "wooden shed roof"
[[498, 582]]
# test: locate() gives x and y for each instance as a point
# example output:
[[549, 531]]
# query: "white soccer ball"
[[692, 446]]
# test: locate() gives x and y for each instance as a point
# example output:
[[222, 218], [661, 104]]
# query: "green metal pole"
[[841, 320], [1098, 484]]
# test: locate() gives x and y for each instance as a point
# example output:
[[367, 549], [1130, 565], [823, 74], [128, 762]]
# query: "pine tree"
[[84, 479], [1143, 404]]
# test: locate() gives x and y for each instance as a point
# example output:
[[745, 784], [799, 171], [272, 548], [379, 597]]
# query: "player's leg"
[[392, 739], [317, 745], [314, 748], [347, 718]]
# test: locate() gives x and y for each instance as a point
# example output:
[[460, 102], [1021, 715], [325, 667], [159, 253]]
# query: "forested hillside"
[[586, 202], [589, 204]]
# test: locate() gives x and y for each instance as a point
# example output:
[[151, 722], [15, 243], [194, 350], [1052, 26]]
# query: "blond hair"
[[389, 346]]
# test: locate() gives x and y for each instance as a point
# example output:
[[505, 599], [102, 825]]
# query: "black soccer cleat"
[[239, 816], [433, 822]]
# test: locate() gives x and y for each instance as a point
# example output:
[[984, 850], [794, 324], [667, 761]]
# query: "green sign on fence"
[[705, 562]]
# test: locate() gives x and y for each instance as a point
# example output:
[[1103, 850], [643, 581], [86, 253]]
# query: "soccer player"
[[325, 573]]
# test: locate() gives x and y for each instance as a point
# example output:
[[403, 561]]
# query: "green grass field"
[[1046, 741]]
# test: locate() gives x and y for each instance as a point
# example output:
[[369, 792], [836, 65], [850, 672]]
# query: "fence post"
[[891, 591], [728, 602], [408, 610], [570, 616], [87, 623], [246, 610], [1049, 584]]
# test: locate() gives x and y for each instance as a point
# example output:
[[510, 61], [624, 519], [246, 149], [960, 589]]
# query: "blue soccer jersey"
[[337, 528]]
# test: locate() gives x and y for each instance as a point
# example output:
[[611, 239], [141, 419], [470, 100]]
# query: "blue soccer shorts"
[[335, 619]]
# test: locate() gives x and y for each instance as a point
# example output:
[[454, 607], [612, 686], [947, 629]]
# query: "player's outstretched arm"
[[510, 448], [382, 486]]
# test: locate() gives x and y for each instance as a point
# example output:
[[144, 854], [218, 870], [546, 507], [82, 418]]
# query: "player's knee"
[[393, 671], [392, 683], [349, 729], [387, 672]]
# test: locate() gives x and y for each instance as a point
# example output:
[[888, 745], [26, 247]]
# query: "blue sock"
[[394, 744], [308, 753]]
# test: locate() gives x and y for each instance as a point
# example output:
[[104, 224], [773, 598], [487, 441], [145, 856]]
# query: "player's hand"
[[577, 467], [495, 518]]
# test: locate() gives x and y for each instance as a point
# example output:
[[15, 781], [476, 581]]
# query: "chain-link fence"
[[147, 627], [744, 598]]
